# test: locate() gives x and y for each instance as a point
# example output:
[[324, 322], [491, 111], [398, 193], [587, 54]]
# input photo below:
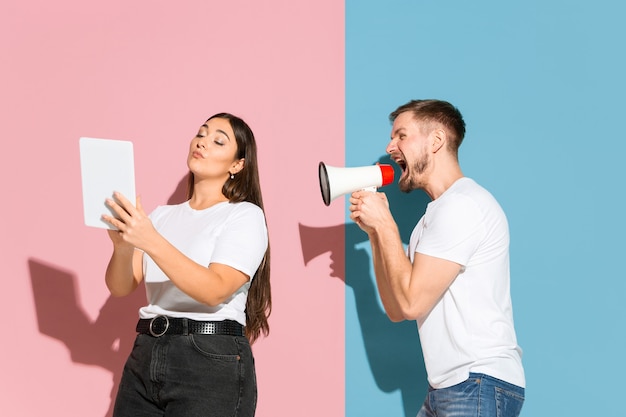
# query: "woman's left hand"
[[133, 224]]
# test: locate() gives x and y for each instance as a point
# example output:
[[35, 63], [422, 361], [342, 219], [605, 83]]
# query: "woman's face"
[[212, 151]]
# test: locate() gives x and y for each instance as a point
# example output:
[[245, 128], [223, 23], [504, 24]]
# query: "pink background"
[[152, 72]]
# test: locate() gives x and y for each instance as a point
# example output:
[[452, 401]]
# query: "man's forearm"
[[390, 264]]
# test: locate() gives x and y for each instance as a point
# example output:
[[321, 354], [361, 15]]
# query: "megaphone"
[[337, 181]]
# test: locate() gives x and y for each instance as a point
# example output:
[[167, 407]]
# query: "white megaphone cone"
[[337, 181]]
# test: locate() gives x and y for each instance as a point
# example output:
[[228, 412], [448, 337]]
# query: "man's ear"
[[438, 139]]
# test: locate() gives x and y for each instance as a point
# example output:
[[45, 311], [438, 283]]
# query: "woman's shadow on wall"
[[104, 342], [393, 349]]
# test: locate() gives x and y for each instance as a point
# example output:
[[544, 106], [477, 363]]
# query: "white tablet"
[[106, 166]]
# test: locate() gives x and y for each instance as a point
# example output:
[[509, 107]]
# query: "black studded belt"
[[161, 325]]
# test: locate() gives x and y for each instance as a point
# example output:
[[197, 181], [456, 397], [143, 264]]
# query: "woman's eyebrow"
[[224, 133], [217, 130]]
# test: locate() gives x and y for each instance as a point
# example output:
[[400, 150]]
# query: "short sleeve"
[[452, 230], [243, 240]]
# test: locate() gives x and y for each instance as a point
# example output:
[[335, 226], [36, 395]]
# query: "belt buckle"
[[152, 322]]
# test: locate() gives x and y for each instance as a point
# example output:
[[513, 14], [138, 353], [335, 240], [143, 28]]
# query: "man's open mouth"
[[401, 163]]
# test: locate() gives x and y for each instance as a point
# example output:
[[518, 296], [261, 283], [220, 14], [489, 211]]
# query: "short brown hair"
[[437, 111]]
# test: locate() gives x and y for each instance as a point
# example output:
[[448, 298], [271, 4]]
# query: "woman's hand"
[[133, 224]]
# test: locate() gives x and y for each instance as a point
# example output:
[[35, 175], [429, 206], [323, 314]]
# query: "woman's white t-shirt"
[[233, 234]]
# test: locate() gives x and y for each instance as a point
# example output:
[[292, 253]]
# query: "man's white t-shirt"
[[471, 328], [233, 234]]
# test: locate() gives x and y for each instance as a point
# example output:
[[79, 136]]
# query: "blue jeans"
[[479, 396], [188, 375]]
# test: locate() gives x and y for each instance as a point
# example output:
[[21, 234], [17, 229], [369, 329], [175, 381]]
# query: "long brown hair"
[[245, 186]]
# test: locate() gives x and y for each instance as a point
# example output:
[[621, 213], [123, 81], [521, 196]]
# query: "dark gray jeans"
[[188, 375]]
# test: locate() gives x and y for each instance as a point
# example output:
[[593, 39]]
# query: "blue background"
[[541, 87]]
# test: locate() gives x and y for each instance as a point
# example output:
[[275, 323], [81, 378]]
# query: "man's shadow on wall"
[[393, 349], [105, 342]]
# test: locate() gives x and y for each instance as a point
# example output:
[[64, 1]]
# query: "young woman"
[[206, 268]]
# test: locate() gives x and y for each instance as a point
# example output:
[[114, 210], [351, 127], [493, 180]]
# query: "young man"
[[454, 280]]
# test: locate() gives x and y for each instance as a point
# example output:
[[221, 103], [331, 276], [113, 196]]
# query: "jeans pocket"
[[508, 403], [216, 347]]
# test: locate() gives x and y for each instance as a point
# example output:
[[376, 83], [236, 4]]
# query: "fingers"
[[367, 208], [132, 223], [122, 215], [356, 202], [124, 202], [122, 209], [115, 222], [361, 198]]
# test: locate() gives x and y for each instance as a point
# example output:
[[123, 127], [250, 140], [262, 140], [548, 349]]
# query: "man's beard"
[[408, 182]]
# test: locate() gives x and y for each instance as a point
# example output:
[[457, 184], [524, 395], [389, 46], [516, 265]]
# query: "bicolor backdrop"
[[539, 83]]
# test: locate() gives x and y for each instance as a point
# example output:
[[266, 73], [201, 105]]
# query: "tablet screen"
[[106, 166]]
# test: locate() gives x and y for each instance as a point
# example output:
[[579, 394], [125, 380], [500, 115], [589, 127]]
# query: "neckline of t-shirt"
[[450, 189], [193, 210]]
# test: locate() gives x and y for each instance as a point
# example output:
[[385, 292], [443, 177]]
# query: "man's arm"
[[389, 257], [408, 292]]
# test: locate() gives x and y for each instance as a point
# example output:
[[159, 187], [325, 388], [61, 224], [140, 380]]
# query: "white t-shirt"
[[233, 234], [471, 328]]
